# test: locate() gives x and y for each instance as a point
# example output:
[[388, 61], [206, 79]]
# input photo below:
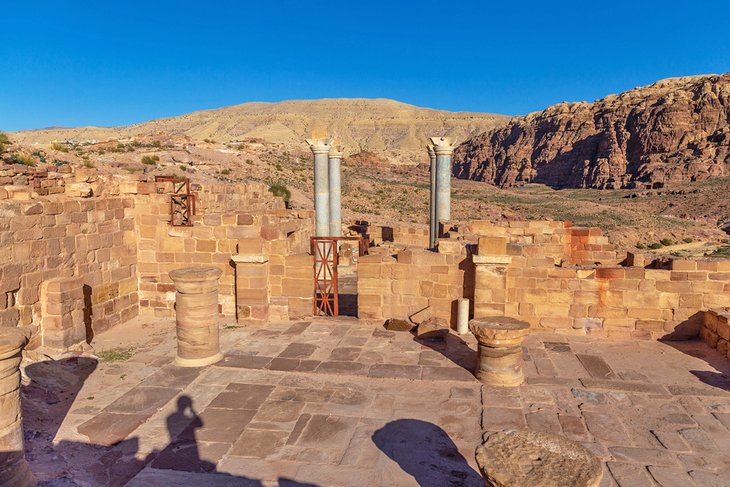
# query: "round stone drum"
[[14, 470], [500, 350], [196, 305]]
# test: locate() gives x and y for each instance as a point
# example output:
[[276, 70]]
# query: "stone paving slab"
[[347, 403]]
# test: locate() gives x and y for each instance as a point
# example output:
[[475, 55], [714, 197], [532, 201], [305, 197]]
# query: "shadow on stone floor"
[[453, 348], [48, 398], [426, 452], [720, 377]]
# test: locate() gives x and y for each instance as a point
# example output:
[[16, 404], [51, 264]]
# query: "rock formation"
[[673, 131]]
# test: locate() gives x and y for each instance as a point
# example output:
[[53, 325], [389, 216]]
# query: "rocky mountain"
[[673, 131], [389, 128]]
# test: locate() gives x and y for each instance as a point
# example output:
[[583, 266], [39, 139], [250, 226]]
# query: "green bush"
[[226, 172], [655, 246], [640, 246], [249, 162], [666, 242], [278, 189], [150, 160], [688, 240]]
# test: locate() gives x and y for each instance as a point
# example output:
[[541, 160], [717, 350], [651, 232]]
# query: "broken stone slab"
[[394, 324], [522, 458], [433, 329], [420, 316]]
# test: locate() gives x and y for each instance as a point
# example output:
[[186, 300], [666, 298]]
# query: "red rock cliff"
[[674, 130]]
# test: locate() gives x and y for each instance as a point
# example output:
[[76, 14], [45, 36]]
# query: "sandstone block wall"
[[398, 234], [24, 183], [550, 274], [47, 238], [400, 286], [716, 330], [226, 215]]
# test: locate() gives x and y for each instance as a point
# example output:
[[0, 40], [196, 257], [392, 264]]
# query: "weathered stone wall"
[[550, 274], [400, 286], [22, 183], [226, 214], [48, 238], [716, 330]]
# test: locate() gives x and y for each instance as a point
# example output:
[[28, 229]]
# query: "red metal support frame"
[[325, 252], [182, 201]]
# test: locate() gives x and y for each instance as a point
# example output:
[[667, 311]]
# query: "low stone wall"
[[398, 287], [23, 183], [550, 274], [716, 330]]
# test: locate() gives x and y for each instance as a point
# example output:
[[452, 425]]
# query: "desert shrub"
[[226, 172], [278, 189], [60, 162], [89, 165], [23, 158], [640, 246], [40, 156], [249, 162], [666, 242], [59, 147], [3, 141], [688, 240], [150, 160], [721, 252], [655, 246]]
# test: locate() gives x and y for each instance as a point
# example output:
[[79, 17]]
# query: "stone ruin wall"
[[221, 230], [551, 274], [716, 331], [84, 249], [81, 252]]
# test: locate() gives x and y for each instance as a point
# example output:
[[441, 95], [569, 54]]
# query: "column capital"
[[443, 145], [320, 146], [431, 151], [336, 151]]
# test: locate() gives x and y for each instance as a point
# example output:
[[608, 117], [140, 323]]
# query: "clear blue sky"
[[70, 63]]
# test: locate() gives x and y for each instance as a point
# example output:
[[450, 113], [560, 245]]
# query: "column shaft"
[[443, 147], [321, 148], [14, 469], [443, 188], [432, 222], [335, 194], [196, 313]]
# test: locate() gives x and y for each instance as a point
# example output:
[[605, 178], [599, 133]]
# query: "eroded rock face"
[[521, 458], [674, 130]]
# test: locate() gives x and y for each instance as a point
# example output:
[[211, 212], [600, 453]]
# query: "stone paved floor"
[[346, 403]]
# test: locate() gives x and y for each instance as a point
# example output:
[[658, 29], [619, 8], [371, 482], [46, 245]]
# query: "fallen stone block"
[[394, 324], [521, 458]]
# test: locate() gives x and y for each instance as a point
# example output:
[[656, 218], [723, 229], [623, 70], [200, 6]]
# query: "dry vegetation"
[[687, 219]]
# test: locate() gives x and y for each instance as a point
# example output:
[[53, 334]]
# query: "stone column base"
[[500, 350]]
